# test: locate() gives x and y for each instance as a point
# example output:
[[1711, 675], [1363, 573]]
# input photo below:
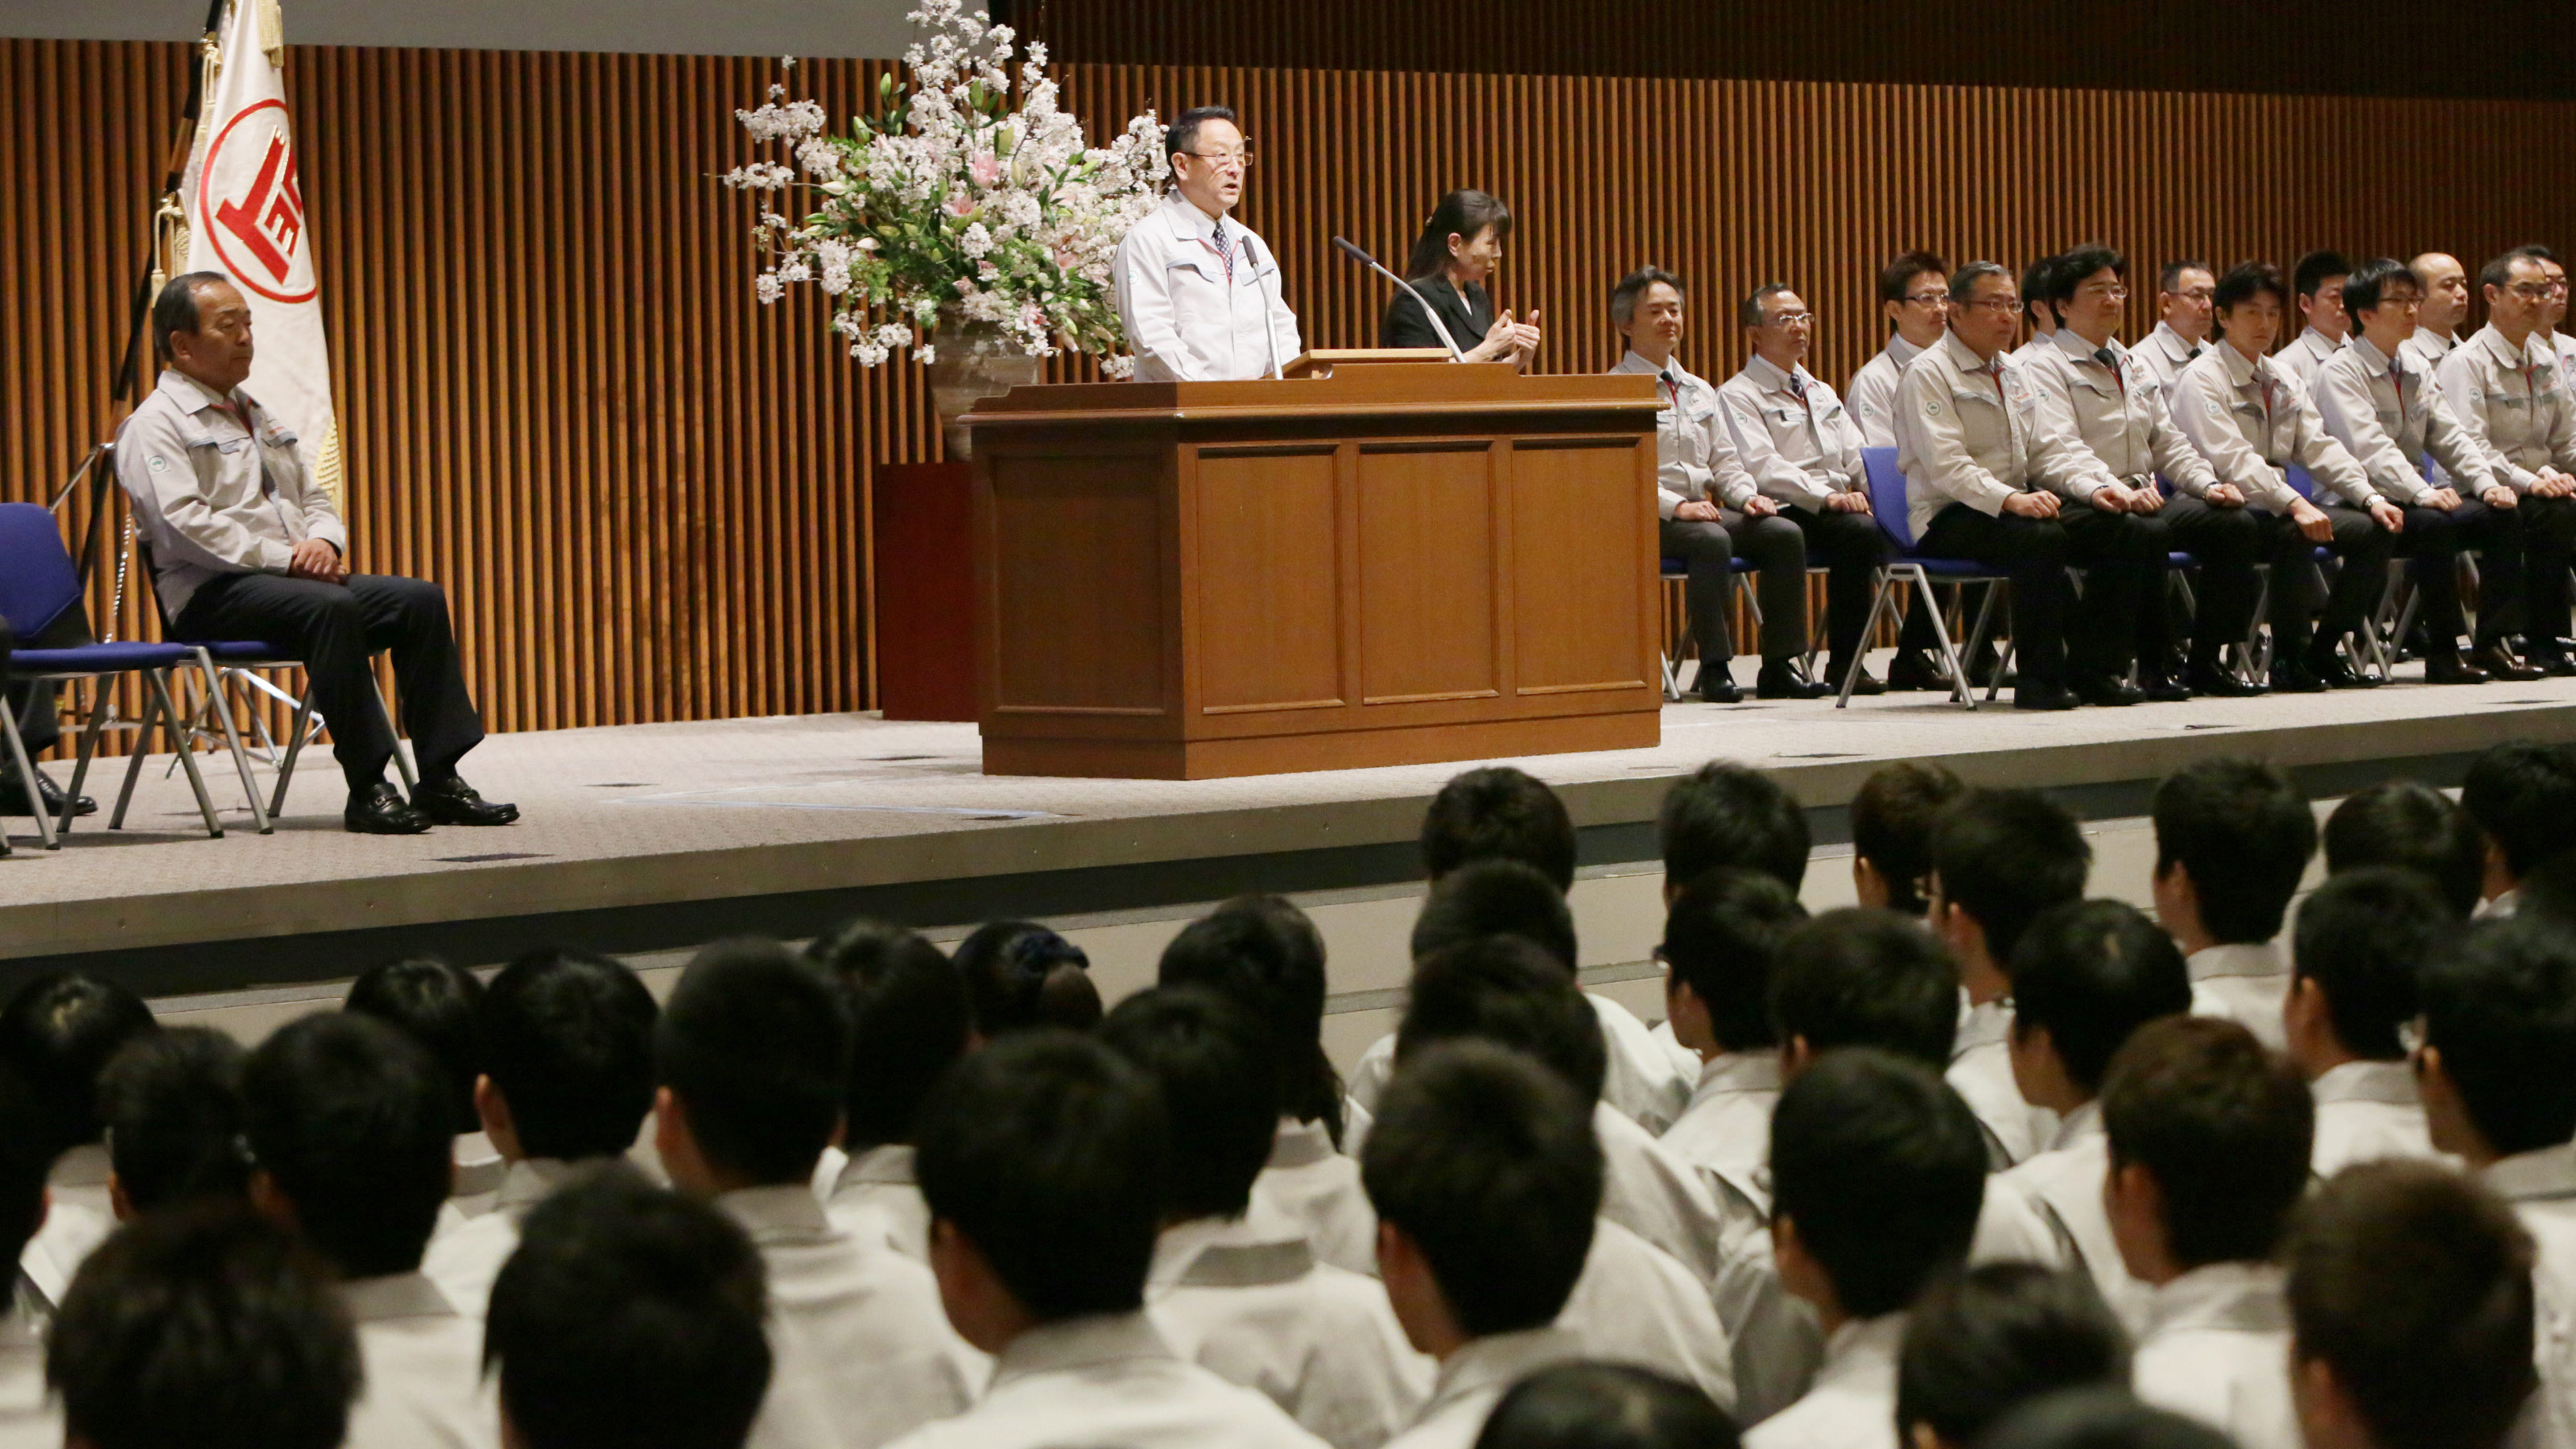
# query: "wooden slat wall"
[[647, 493]]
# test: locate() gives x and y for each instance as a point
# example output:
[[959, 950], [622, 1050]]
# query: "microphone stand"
[[1351, 250]]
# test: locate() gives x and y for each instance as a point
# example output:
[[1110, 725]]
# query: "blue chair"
[[39, 589], [1904, 565]]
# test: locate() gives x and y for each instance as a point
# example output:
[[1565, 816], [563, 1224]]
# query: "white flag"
[[246, 219]]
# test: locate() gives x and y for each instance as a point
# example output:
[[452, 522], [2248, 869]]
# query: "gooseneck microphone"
[[1351, 250]]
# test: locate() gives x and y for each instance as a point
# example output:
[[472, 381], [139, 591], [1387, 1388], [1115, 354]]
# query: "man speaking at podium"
[[1197, 292]]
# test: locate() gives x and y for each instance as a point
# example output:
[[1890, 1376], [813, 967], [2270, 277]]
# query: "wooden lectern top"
[[1334, 401], [1320, 361]]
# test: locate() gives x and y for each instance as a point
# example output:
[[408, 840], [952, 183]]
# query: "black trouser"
[[2359, 585], [2055, 633], [2226, 542], [1851, 548], [33, 703], [1775, 547], [2548, 541], [333, 629], [2432, 544]]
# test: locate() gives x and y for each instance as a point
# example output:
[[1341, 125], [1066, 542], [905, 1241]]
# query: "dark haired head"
[[2316, 269], [1502, 989], [1262, 953], [1019, 974], [1748, 313], [1882, 1170], [1498, 813], [908, 1023], [1496, 898], [1181, 138], [2171, 276], [629, 1316], [755, 1044], [1896, 279], [2403, 823], [58, 1032], [2039, 283], [173, 1104], [2081, 263], [2244, 282], [1891, 826], [1486, 1161], [348, 1119], [2412, 1285], [2100, 1418], [24, 1166], [2223, 1126], [2500, 1018], [174, 308], [1605, 1406], [1623, 297], [205, 1327], [2523, 795], [2363, 937], [1963, 282], [1867, 978], [1045, 1151], [2367, 285], [1211, 1061], [2004, 856], [1721, 935], [2241, 833], [1464, 214], [2090, 973], [434, 1004], [1731, 814], [1997, 1336], [2498, 271], [568, 1043]]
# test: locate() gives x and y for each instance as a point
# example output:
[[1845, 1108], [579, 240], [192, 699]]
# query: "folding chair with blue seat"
[[2398, 608], [39, 588], [1740, 570], [1904, 565], [2303, 484]]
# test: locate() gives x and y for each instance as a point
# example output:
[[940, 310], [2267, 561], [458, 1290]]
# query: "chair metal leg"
[[1880, 593], [26, 772], [1960, 690], [411, 780], [296, 735], [88, 751], [1977, 635], [220, 704], [134, 760], [178, 736]]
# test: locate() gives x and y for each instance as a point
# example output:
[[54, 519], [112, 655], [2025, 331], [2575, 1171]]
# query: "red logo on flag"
[[252, 207]]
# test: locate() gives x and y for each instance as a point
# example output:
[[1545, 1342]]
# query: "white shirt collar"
[[1861, 1346], [2529, 1176], [1496, 1361], [1079, 1343], [781, 1212], [1301, 1144], [83, 1166], [2389, 1082], [1734, 1072], [396, 1295], [2256, 958], [1262, 1246], [2242, 1296], [525, 1182], [2076, 1126], [1768, 373], [887, 1164]]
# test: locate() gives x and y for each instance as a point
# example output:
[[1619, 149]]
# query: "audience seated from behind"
[[1234, 1286], [208, 1327], [1634, 1303], [2210, 1136], [2403, 823], [1501, 814], [1487, 1184], [2100, 1418], [567, 1049], [629, 1316], [2434, 1355], [172, 1104], [1999, 858], [28, 1420], [1878, 1172], [437, 1004], [1042, 1157], [1892, 820], [353, 1130], [2523, 797], [1984, 1342], [2357, 953], [752, 1052], [1605, 1406], [1262, 953], [2086, 977], [1725, 814], [909, 1021], [2233, 839], [1020, 975], [58, 1032], [2499, 1028], [1720, 935]]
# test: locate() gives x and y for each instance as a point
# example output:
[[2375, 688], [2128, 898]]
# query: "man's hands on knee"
[[316, 559]]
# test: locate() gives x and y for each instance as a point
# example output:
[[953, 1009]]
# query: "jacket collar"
[[1632, 363], [1767, 373], [1965, 358]]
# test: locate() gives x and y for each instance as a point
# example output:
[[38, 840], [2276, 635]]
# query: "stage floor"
[[657, 836]]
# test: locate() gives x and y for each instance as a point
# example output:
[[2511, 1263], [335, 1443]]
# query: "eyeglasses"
[[2530, 291], [2114, 292], [1790, 319], [2196, 294], [2006, 304], [1222, 159], [1928, 299]]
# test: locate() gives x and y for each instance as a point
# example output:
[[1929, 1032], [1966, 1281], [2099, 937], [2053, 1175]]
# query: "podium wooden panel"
[[1397, 564]]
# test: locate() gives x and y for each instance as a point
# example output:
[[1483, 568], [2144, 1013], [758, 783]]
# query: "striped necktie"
[[1225, 249]]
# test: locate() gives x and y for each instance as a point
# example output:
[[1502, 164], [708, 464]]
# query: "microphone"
[[1352, 250]]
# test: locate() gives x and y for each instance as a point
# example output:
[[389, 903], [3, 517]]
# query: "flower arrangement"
[[949, 205]]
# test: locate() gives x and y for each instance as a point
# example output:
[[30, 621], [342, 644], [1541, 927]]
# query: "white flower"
[[767, 287], [894, 334], [865, 244], [868, 353], [977, 241], [926, 353], [1117, 365], [787, 62]]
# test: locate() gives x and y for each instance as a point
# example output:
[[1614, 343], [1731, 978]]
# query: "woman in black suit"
[[1459, 246]]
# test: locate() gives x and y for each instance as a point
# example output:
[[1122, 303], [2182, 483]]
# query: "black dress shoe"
[[379, 809], [2211, 682], [1863, 685], [2445, 666], [2289, 676], [1915, 670], [2038, 694], [1787, 679], [2163, 688], [2498, 663], [2553, 662], [453, 802], [13, 797], [2336, 672], [2104, 690]]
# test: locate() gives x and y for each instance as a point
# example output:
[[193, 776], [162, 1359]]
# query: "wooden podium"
[[1396, 564]]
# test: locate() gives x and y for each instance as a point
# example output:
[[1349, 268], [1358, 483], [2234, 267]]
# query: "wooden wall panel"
[[647, 493]]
